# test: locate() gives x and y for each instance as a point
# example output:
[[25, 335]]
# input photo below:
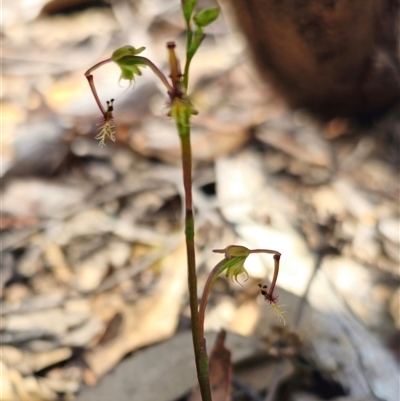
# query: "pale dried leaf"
[[41, 360], [6, 384], [84, 334], [39, 197], [306, 146], [91, 272], [357, 359], [152, 318], [163, 372], [56, 260]]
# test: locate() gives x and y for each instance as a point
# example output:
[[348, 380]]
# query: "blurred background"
[[93, 274]]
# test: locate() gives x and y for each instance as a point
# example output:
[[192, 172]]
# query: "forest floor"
[[94, 301]]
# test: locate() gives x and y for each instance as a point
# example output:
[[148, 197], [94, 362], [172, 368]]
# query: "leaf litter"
[[92, 268]]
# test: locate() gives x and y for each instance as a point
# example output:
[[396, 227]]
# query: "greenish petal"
[[130, 66], [126, 50], [235, 267]]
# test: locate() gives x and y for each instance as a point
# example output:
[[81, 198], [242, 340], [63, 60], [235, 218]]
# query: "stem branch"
[[156, 71]]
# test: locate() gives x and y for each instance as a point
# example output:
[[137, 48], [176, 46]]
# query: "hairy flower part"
[[107, 129], [180, 111], [278, 312], [272, 300], [235, 268]]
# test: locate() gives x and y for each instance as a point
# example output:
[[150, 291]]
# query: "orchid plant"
[[181, 109]]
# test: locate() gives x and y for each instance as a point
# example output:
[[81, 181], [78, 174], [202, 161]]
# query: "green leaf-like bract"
[[206, 17], [187, 8], [196, 42]]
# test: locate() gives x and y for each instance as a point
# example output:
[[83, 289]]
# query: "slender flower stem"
[[198, 338], [186, 74], [275, 277], [96, 66], [156, 71], [89, 76], [189, 36], [181, 112], [95, 95]]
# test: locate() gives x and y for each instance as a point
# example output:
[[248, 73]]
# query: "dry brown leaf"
[[157, 139], [220, 372], [162, 372], [153, 318], [56, 260], [91, 272], [84, 334], [28, 362], [27, 388], [51, 322], [309, 147], [6, 385], [258, 373], [41, 360], [36, 197], [340, 342]]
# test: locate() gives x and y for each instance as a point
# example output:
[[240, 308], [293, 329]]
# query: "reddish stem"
[[96, 97], [277, 257]]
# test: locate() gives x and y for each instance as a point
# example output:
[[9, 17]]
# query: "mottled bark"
[[335, 57]]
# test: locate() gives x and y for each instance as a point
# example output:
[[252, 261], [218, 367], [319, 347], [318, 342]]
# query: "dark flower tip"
[[270, 298]]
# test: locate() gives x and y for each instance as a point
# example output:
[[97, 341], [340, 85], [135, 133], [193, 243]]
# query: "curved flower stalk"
[[233, 265], [126, 57]]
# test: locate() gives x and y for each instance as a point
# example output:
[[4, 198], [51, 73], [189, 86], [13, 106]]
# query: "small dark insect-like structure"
[[268, 296], [272, 299], [263, 289]]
